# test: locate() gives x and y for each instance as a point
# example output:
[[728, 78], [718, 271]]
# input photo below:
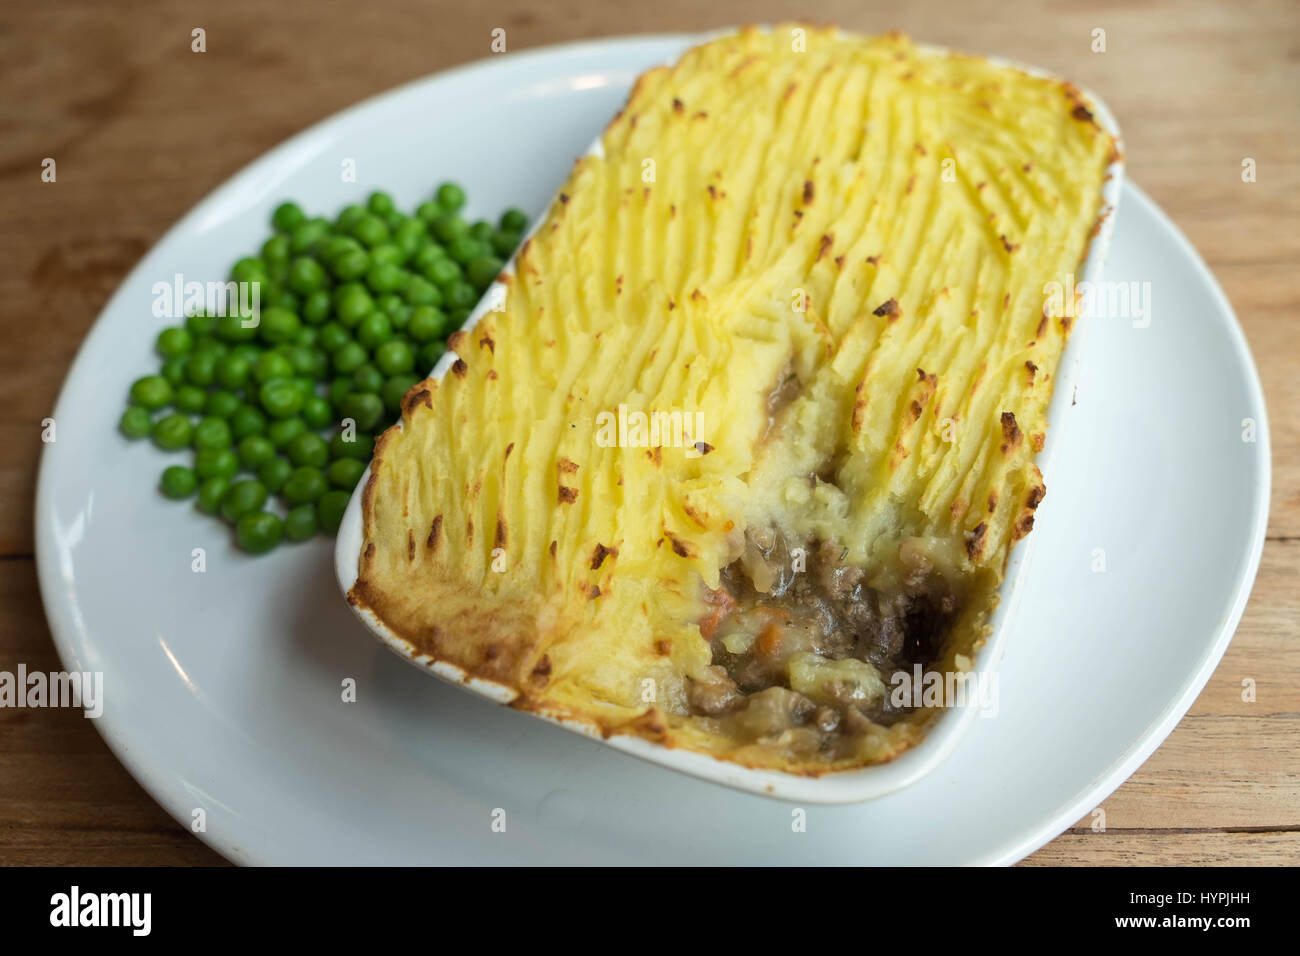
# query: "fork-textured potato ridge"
[[880, 222]]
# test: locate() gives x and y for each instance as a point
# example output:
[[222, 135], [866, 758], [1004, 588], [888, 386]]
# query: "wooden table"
[[141, 127]]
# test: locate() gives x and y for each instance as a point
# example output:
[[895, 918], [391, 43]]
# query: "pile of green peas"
[[353, 312]]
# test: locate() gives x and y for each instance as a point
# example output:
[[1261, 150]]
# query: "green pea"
[[307, 336], [385, 276], [386, 255], [305, 484], [374, 330], [351, 264], [450, 196], [221, 404], [336, 246], [426, 324], [426, 258], [364, 408], [178, 482], [211, 433], [173, 370], [278, 325], [233, 370], [482, 231], [420, 291], [276, 250], [248, 269], [241, 498], [360, 447], [367, 379], [330, 508], [234, 328], [345, 473], [505, 243], [444, 273], [394, 358], [213, 348], [349, 358], [332, 337], [390, 303], [429, 210], [172, 432], [395, 390], [431, 353], [352, 303], [272, 365], [190, 399], [349, 216], [339, 389], [255, 451], [370, 231], [250, 352], [380, 203], [211, 492], [200, 324], [151, 392], [457, 315], [216, 463], [309, 450], [284, 299], [136, 422], [317, 412], [306, 275], [448, 228], [465, 249], [274, 473], [259, 532], [284, 430], [301, 522], [461, 295], [316, 307], [514, 220], [483, 270], [307, 234], [305, 361], [409, 237], [287, 215], [246, 421], [280, 398]]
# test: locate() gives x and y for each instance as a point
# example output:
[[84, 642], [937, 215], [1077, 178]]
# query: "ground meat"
[[892, 622], [714, 693], [773, 711], [855, 722], [826, 719]]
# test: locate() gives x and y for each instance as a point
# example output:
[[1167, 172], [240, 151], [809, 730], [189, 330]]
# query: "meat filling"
[[804, 644]]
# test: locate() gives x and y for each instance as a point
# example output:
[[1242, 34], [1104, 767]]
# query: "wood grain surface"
[[142, 128]]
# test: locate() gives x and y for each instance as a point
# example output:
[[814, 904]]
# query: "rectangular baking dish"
[[946, 728]]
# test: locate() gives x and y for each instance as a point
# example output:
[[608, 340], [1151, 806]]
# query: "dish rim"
[[945, 729]]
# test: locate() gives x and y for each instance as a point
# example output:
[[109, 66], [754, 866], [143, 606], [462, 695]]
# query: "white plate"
[[223, 688], [948, 727]]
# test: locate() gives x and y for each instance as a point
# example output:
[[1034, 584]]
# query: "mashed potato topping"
[[827, 255]]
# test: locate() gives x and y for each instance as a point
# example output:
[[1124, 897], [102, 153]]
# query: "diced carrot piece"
[[769, 640], [723, 604]]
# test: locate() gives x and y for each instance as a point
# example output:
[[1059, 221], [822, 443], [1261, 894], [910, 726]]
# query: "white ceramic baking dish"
[[947, 727]]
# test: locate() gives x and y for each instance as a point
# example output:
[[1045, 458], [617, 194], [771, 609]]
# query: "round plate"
[[223, 688]]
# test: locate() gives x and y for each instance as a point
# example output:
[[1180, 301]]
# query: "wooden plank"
[[1168, 848], [142, 128]]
